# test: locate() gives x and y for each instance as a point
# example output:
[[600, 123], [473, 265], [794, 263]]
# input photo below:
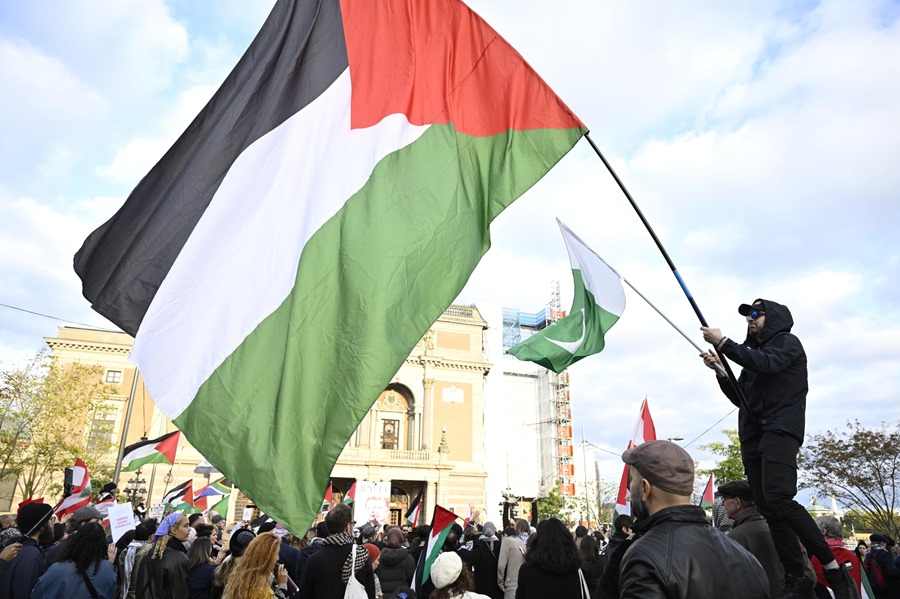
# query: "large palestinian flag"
[[285, 255]]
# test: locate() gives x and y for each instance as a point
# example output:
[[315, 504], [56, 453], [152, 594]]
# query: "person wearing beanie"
[[143, 535], [374, 553], [236, 548], [396, 567], [451, 580], [23, 572], [484, 557]]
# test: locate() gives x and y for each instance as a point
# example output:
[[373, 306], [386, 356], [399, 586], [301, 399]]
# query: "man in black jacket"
[[774, 384], [676, 554], [328, 570]]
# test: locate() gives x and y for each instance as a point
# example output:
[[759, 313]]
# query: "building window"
[[103, 425], [114, 376], [390, 438]]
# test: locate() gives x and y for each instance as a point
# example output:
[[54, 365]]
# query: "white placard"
[[121, 520], [248, 514], [372, 503], [157, 511]]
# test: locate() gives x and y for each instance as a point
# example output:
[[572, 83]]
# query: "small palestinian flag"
[[151, 451], [350, 497], [415, 508], [709, 498], [441, 522], [182, 491]]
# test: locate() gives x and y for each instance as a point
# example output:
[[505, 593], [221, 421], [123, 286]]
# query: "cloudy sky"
[[759, 139]]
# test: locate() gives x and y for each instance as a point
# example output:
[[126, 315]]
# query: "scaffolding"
[[562, 410], [556, 414]]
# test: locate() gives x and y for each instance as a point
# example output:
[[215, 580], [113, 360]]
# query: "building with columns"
[[425, 429]]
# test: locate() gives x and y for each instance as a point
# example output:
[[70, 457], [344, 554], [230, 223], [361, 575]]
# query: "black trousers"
[[771, 465]]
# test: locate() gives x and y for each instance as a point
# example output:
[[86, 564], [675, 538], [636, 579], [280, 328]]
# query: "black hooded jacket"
[[774, 377]]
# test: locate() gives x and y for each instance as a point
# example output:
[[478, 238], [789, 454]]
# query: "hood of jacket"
[[392, 556], [778, 320]]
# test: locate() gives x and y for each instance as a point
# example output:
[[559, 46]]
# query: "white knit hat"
[[445, 569]]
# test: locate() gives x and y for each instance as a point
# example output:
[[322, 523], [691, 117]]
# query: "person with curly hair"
[[83, 571], [552, 564], [163, 570], [252, 577], [451, 580]]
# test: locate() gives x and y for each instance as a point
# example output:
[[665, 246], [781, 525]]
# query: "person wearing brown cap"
[[676, 553], [751, 531], [774, 383]]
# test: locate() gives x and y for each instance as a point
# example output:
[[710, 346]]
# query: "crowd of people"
[[667, 548]]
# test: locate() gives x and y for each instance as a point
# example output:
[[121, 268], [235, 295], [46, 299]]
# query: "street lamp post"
[[136, 489]]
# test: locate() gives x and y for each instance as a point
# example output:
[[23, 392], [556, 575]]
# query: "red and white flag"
[[81, 491], [644, 431]]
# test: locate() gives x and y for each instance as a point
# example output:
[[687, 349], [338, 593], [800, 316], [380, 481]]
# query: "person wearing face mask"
[[676, 554]]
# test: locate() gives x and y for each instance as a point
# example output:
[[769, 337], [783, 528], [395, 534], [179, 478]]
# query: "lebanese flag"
[[441, 522], [152, 451], [644, 430], [709, 497], [318, 215], [81, 491]]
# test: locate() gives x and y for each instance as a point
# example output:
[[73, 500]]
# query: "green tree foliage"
[[861, 468], [729, 466], [555, 505], [51, 414]]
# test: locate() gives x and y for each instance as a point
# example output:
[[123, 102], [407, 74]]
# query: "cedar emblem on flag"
[[378, 141], [152, 451], [598, 302]]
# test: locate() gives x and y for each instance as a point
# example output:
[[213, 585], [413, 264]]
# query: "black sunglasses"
[[756, 314]]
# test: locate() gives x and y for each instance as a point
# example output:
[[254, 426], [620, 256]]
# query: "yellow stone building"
[[426, 428]]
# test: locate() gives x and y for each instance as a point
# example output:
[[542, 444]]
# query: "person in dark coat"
[[396, 566], [24, 571], [676, 553], [202, 569], [591, 567], [551, 564], [611, 558], [327, 572], [879, 553], [484, 558], [163, 570], [310, 550], [751, 531], [774, 384]]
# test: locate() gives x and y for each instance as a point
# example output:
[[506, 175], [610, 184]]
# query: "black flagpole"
[[681, 282]]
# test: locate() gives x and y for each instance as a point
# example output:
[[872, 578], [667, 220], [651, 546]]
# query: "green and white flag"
[[599, 301]]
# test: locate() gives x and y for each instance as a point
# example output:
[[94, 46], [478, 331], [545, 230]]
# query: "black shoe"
[[798, 587], [840, 582]]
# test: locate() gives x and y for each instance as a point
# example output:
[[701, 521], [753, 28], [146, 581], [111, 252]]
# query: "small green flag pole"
[[681, 283]]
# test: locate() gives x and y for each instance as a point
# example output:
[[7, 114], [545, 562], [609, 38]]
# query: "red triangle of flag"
[[169, 446]]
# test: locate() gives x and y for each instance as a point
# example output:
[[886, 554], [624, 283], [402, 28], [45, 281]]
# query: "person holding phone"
[[253, 576]]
